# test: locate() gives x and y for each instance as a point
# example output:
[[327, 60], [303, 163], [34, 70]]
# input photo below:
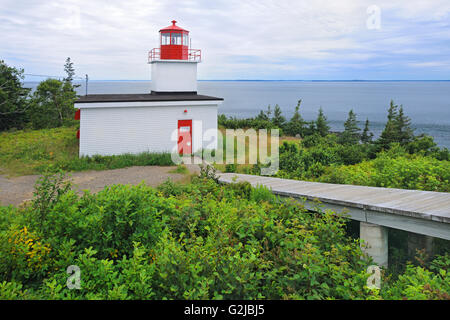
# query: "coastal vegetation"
[[204, 240], [397, 159], [49, 106], [201, 240], [31, 151]]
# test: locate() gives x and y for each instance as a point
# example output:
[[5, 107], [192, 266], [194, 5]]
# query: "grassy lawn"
[[27, 152], [35, 151]]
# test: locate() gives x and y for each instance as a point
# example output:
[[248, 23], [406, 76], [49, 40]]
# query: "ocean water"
[[427, 103]]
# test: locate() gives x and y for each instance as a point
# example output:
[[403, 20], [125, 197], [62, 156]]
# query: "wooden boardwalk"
[[422, 212]]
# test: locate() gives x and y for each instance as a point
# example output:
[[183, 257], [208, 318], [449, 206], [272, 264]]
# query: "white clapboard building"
[[172, 117]]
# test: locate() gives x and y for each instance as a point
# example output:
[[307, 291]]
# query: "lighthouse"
[[171, 117], [174, 64]]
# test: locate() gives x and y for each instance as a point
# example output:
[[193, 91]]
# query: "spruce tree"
[[296, 124], [366, 136], [351, 133], [278, 120], [262, 116], [390, 131], [405, 133], [397, 129], [269, 112], [321, 124], [69, 70]]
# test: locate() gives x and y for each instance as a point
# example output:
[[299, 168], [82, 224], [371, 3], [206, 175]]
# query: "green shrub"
[[231, 167], [198, 241], [12, 291], [182, 169], [405, 172], [262, 193], [242, 189], [419, 283]]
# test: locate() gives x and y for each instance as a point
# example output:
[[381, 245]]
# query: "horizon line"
[[279, 80]]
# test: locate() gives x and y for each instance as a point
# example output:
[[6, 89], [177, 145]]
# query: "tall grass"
[[36, 151]]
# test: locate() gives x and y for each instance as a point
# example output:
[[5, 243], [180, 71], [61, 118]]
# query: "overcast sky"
[[243, 39]]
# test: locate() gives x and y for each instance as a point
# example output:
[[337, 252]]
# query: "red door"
[[184, 136]]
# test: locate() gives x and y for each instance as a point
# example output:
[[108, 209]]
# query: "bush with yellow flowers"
[[27, 253]]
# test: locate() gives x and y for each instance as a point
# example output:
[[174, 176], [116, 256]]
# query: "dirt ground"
[[19, 189]]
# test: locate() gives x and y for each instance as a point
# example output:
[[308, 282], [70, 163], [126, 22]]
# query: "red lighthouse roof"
[[174, 45], [173, 27]]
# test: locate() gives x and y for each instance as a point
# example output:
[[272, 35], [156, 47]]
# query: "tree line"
[[50, 105], [397, 129]]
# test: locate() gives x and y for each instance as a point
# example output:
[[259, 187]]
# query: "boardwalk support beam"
[[375, 242]]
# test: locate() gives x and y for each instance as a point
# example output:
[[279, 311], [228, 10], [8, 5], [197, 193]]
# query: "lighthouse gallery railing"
[[193, 55]]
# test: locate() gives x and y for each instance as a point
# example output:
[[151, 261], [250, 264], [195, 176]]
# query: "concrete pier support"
[[419, 242], [376, 239]]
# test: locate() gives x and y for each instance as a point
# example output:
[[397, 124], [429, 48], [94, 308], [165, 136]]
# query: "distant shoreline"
[[255, 80]]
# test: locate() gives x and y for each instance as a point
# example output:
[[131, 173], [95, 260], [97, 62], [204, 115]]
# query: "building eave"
[[152, 97], [143, 104]]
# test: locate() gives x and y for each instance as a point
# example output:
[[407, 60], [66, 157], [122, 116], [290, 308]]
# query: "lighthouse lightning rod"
[[87, 79]]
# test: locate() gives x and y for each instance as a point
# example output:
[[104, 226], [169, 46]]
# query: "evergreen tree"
[[262, 116], [366, 136], [390, 131], [397, 129], [296, 124], [278, 120], [405, 133], [351, 133], [321, 124], [269, 112], [69, 70]]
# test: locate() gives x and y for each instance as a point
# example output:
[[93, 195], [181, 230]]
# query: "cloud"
[[427, 64], [261, 39]]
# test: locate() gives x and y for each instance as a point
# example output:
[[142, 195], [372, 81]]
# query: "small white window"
[[176, 38], [165, 39], [185, 40], [185, 129]]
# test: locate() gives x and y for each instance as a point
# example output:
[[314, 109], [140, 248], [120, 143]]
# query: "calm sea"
[[427, 103]]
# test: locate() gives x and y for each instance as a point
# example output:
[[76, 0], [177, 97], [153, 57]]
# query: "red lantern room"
[[174, 45], [174, 42]]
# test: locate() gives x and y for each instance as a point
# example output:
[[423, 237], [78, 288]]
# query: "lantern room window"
[[174, 45], [165, 39], [176, 38]]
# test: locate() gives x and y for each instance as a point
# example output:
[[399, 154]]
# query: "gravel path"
[[16, 190]]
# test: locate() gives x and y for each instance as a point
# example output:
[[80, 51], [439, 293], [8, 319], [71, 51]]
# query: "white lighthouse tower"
[[173, 117], [174, 64]]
